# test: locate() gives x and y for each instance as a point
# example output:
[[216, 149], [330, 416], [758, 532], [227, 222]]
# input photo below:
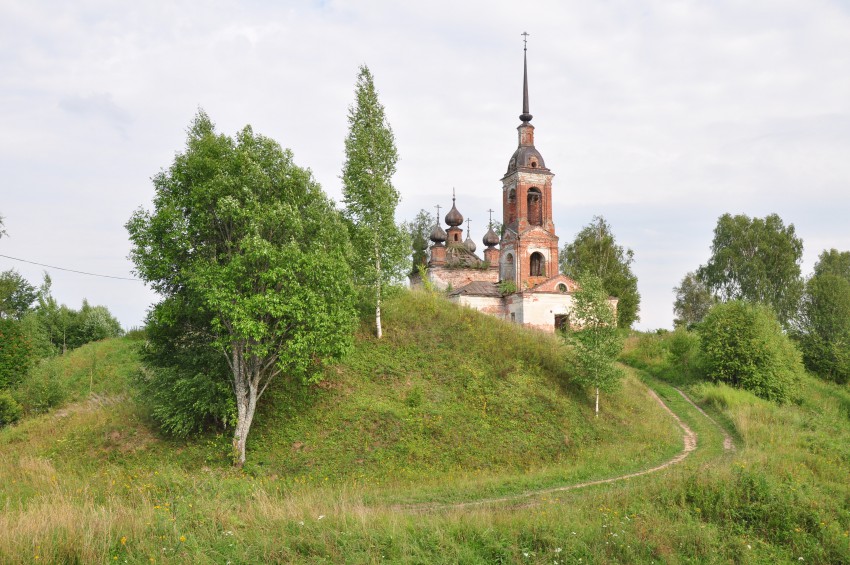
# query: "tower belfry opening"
[[518, 279]]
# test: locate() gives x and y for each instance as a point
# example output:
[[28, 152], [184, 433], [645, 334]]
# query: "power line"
[[71, 270]]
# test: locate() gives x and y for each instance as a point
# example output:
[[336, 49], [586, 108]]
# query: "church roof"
[[478, 288]]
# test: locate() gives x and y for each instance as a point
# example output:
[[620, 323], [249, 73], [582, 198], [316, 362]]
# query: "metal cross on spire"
[[491, 218], [438, 213], [525, 35], [467, 227]]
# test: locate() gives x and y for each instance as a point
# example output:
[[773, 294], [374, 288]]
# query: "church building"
[[519, 280]]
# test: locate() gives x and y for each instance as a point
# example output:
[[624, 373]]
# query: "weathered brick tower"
[[529, 246]]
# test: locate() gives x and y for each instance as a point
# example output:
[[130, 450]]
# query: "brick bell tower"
[[529, 246]]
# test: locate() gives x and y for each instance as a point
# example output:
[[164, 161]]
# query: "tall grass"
[[92, 482]]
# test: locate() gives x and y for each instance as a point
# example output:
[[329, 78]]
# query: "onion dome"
[[438, 235], [490, 238], [454, 218], [469, 244]]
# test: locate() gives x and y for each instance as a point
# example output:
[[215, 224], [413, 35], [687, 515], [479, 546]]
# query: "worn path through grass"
[[689, 440]]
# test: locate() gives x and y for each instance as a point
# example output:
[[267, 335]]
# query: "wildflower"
[[124, 540], [321, 516], [182, 538], [557, 550]]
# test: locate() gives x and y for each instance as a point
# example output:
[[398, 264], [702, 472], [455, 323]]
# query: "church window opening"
[[562, 287], [510, 206], [537, 266], [535, 207], [533, 163], [508, 272]]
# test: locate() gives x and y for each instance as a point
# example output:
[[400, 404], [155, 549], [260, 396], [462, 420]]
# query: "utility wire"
[[72, 270]]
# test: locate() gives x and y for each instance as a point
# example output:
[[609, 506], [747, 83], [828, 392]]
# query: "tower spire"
[[525, 117]]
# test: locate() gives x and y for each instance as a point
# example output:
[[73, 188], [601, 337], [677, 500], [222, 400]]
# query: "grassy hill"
[[450, 406]]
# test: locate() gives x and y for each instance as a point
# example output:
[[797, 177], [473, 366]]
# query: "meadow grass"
[[431, 415]]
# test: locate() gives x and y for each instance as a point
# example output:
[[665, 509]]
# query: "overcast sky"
[[659, 116]]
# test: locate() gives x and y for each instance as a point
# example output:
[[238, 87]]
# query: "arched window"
[[537, 266], [535, 207], [562, 287], [508, 272], [510, 205]]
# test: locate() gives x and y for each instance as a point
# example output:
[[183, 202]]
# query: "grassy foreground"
[[450, 406]]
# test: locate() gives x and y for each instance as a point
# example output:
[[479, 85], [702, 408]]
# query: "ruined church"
[[518, 279]]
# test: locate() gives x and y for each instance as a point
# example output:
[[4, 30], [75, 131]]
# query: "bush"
[[10, 410], [42, 389], [742, 344], [16, 354], [684, 352]]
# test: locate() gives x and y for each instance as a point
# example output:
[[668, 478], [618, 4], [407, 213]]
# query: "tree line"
[[758, 320], [34, 326]]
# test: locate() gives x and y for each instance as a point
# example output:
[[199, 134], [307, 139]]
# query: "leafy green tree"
[[380, 246], [242, 235], [16, 295], [16, 354], [693, 301], [594, 336], [419, 230], [823, 328], [758, 260], [595, 251], [742, 344], [834, 262]]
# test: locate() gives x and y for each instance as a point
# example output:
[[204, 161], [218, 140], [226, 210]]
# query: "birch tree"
[[380, 246], [594, 337], [246, 237]]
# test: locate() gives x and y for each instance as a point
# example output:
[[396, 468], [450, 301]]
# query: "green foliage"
[[248, 243], [16, 353], [380, 246], [684, 352], [823, 329], [595, 251], [419, 231], [16, 295], [757, 260], [42, 389], [742, 344], [507, 287], [186, 380], [596, 340], [10, 410], [693, 301], [66, 328], [833, 262], [97, 370]]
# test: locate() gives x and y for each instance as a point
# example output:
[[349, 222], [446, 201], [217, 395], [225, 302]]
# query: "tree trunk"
[[597, 402], [246, 405], [379, 331]]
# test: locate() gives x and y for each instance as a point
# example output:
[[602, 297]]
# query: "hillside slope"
[[450, 405]]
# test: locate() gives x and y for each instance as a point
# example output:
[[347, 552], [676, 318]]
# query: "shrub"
[[742, 344], [16, 354], [10, 410], [684, 352], [42, 389]]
